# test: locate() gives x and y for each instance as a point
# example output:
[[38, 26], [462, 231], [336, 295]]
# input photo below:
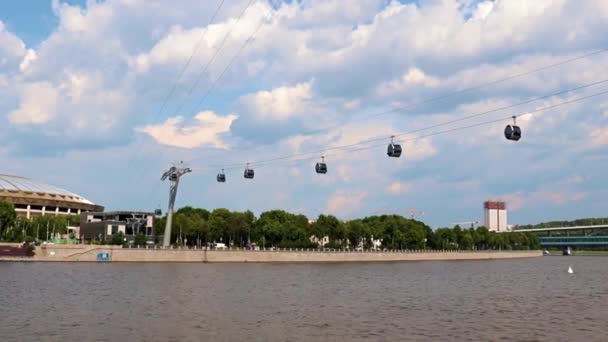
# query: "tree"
[[8, 215], [140, 240], [329, 225], [466, 240], [117, 239]]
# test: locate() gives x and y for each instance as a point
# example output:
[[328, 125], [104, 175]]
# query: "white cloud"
[[599, 136], [38, 104], [412, 78], [482, 10], [344, 203], [12, 49], [399, 188], [28, 59], [206, 130], [519, 200], [108, 65], [280, 103]]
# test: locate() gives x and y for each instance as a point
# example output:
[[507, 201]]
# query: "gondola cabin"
[[512, 132], [394, 150], [321, 168], [221, 177], [248, 173]]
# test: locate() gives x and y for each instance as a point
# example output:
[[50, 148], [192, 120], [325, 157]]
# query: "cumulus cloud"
[[399, 188], [28, 59], [38, 104], [599, 136], [12, 49], [206, 130], [280, 103], [108, 65], [414, 77], [343, 203], [519, 200]]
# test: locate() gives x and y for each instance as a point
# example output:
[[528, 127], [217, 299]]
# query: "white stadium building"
[[32, 198]]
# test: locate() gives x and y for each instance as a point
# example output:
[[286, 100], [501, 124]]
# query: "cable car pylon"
[[173, 174]]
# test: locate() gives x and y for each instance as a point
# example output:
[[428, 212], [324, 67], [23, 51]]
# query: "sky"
[[101, 97]]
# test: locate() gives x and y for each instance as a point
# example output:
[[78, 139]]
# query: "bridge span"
[[575, 236]]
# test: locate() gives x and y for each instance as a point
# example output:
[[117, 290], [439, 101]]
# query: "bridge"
[[575, 236]]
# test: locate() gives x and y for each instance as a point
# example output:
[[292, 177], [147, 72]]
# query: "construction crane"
[[472, 223], [414, 213]]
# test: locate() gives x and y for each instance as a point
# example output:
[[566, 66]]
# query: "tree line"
[[279, 228], [15, 228]]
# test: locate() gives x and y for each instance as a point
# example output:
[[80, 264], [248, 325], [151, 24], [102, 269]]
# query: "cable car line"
[[214, 83], [187, 64], [490, 83], [440, 97], [531, 112], [212, 59], [384, 137]]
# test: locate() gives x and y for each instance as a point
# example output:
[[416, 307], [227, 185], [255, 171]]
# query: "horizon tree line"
[[281, 229]]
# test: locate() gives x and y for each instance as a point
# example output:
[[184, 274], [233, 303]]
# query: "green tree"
[[117, 239], [7, 217], [140, 240]]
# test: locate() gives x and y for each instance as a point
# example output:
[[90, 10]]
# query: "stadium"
[[32, 198]]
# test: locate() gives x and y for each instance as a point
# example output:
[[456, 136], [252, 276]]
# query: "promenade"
[[94, 253]]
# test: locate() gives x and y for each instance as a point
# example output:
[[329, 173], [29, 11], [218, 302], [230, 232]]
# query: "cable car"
[[321, 167], [248, 173], [513, 132], [393, 150], [221, 177]]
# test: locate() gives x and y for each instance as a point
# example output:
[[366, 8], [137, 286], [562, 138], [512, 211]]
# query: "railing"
[[573, 240], [316, 250]]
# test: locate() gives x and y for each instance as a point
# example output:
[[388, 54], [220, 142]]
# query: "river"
[[518, 299]]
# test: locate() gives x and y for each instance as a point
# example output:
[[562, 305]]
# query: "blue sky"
[[83, 82]]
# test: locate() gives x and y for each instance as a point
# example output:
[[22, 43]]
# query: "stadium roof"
[[12, 183]]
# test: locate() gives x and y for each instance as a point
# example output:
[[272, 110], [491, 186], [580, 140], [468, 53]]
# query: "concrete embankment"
[[88, 253]]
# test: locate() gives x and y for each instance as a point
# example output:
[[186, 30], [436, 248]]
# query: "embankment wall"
[[75, 253]]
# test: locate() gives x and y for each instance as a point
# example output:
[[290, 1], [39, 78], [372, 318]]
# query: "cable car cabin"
[[321, 168], [394, 150], [512, 132], [248, 173], [221, 177]]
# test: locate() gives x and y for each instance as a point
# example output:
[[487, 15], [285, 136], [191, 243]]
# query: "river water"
[[521, 300]]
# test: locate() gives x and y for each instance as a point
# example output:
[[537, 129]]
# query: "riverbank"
[[91, 253]]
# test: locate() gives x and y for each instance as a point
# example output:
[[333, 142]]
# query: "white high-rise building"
[[495, 216]]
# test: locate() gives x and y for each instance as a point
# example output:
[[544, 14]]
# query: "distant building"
[[495, 216], [32, 198], [101, 226], [321, 242]]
